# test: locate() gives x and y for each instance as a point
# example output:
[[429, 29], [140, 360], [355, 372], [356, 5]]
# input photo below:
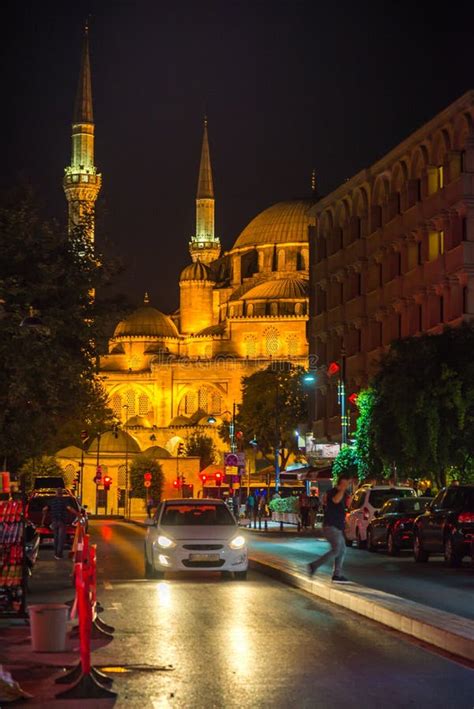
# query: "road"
[[255, 644], [432, 584]]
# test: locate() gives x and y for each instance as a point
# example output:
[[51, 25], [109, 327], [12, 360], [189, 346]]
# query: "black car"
[[392, 525], [447, 526]]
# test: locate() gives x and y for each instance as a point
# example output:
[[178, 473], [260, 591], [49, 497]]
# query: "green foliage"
[[273, 399], [284, 504], [422, 407], [369, 463], [43, 465], [347, 463], [49, 387], [144, 464], [202, 446]]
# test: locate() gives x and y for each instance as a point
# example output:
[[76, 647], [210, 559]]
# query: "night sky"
[[287, 86]]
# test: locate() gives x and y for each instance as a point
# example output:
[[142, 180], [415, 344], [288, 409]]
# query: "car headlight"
[[237, 542], [165, 542]]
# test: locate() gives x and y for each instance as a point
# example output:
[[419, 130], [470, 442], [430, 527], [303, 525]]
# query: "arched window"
[[281, 260], [130, 401], [292, 344], [144, 405], [250, 310], [272, 341], [116, 405], [121, 476], [274, 309], [69, 473], [250, 346], [203, 399], [298, 308]]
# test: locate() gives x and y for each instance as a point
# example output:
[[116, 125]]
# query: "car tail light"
[[466, 518], [366, 512]]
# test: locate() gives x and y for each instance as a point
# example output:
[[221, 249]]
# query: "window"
[[250, 343], [250, 310], [358, 500], [196, 515], [378, 497], [144, 405], [204, 399], [440, 177], [272, 343], [130, 402], [69, 473], [121, 475], [292, 345], [101, 500], [116, 405], [435, 244], [274, 309]]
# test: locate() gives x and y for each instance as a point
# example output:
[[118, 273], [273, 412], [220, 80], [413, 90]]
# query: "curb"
[[446, 631]]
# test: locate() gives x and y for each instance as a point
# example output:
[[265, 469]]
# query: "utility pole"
[[343, 400], [97, 468], [277, 437], [127, 491]]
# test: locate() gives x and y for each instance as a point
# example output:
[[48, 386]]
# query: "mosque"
[[239, 310]]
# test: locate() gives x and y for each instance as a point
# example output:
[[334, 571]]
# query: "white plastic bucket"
[[48, 627]]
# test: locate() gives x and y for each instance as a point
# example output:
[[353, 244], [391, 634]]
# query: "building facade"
[[392, 255]]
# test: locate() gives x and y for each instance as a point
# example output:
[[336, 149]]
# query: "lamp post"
[[342, 399], [97, 468], [277, 435], [127, 491]]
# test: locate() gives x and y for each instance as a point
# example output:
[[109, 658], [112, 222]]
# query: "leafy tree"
[[144, 464], [43, 465], [422, 417], [369, 463], [49, 386], [274, 403], [347, 463], [198, 444]]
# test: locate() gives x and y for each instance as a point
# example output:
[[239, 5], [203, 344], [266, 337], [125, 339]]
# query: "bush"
[[284, 504]]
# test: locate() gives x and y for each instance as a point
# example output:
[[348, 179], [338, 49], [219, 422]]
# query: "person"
[[337, 500], [313, 506], [149, 506], [428, 492], [59, 508], [303, 504], [261, 508], [250, 506]]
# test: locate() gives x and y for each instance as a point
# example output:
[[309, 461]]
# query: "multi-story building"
[[392, 255]]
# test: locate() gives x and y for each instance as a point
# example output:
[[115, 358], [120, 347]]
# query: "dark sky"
[[287, 85]]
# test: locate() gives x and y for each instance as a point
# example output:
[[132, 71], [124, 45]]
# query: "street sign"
[[231, 459], [147, 483]]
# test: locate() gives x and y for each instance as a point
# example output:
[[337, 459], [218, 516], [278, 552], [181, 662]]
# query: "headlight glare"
[[165, 542], [237, 542]]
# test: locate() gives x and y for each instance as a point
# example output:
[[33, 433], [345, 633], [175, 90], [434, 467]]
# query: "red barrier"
[[89, 683]]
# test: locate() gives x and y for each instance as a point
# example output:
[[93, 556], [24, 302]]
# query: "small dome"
[[180, 421], [157, 452], [280, 289], [214, 330], [146, 322], [197, 271], [69, 452], [141, 421], [115, 442], [281, 223]]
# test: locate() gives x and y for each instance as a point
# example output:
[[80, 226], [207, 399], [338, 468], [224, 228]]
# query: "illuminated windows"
[[250, 343], [435, 244], [272, 341], [204, 399]]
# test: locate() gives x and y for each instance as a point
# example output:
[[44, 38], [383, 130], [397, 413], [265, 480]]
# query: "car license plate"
[[204, 557]]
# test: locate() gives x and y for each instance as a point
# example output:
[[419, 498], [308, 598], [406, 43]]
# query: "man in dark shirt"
[[59, 508], [337, 501]]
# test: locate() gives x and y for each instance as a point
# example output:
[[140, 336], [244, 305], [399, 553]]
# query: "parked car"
[[365, 502], [34, 513], [447, 526], [194, 535], [392, 525]]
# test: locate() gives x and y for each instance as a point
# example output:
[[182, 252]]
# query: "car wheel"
[[451, 558], [360, 543], [240, 575], [392, 547], [370, 543], [347, 541], [419, 553]]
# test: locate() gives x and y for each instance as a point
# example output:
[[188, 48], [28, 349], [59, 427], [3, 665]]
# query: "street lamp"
[[342, 400], [211, 419]]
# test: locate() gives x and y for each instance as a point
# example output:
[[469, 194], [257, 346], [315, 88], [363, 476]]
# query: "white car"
[[365, 502], [194, 535]]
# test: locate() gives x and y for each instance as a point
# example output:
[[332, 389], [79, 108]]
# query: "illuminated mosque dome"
[[197, 271], [283, 288], [284, 222], [115, 442], [146, 321]]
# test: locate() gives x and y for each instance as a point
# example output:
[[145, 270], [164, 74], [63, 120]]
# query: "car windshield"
[[191, 515], [378, 497], [48, 481], [413, 504], [37, 502]]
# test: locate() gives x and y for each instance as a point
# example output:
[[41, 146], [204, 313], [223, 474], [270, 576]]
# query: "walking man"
[[337, 500], [59, 509]]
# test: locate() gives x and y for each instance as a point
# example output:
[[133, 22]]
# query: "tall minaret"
[[204, 246], [81, 181]]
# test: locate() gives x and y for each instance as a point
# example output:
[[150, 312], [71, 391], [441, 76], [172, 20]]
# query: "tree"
[[49, 386], [44, 465], [274, 403], [198, 444], [422, 418], [369, 464], [346, 463], [144, 464]]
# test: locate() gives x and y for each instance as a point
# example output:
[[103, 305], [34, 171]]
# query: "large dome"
[[146, 322], [283, 288], [284, 222], [115, 442]]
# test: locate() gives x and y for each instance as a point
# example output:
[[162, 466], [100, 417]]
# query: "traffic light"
[[98, 474], [203, 478], [176, 484], [180, 449], [218, 479], [107, 482], [147, 477]]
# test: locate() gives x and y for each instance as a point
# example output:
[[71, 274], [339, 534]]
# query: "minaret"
[[81, 181], [204, 246]]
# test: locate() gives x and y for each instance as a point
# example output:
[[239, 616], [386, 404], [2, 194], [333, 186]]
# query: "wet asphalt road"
[[254, 644]]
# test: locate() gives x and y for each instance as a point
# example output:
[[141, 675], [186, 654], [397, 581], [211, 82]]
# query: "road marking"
[[115, 606], [108, 586]]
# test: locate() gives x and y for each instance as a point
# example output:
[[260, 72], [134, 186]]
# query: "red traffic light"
[[203, 478], [147, 476], [176, 483], [107, 482]]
